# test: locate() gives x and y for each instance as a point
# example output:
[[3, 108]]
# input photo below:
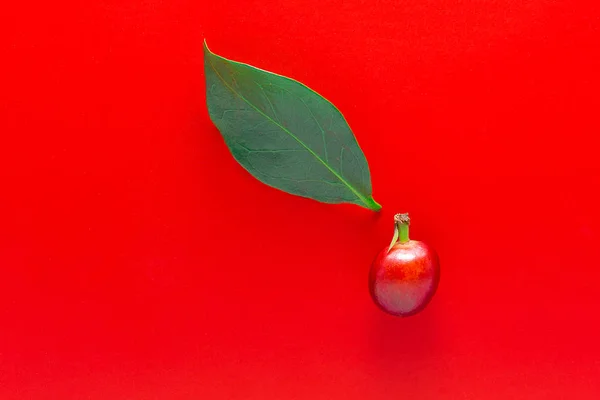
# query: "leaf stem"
[[372, 204]]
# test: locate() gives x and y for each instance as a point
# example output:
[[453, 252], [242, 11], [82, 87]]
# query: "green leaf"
[[285, 134]]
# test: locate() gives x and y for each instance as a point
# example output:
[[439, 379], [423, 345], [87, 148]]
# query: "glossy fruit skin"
[[403, 281]]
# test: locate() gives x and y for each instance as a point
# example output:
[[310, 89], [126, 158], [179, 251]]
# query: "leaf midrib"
[[334, 172]]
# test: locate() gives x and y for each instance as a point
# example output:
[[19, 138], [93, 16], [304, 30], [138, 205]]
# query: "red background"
[[139, 261]]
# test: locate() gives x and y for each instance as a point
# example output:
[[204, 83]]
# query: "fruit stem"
[[400, 230], [402, 223]]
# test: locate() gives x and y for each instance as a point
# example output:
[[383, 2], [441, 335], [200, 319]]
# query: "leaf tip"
[[205, 46]]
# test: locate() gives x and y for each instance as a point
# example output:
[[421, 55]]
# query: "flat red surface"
[[139, 261]]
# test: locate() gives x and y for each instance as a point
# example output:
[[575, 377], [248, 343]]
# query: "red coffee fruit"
[[405, 275]]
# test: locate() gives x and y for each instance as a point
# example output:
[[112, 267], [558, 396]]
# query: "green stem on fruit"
[[402, 221]]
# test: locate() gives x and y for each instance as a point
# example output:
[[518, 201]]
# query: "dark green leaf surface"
[[285, 134]]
